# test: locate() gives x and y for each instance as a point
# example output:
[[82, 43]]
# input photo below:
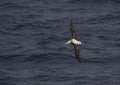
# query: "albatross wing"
[[72, 30], [77, 51], [76, 45]]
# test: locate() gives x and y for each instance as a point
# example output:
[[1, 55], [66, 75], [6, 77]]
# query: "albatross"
[[74, 41]]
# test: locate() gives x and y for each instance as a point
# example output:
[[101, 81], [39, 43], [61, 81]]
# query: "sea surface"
[[32, 37]]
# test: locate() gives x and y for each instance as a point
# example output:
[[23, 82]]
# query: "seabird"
[[74, 41]]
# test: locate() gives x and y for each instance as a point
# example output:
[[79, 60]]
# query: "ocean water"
[[32, 37]]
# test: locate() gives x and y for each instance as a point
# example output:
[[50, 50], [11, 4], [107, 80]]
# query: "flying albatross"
[[74, 41]]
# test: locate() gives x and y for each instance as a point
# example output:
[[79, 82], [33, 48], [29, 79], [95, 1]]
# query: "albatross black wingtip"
[[79, 60]]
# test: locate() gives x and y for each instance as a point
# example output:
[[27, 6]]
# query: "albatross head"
[[68, 42]]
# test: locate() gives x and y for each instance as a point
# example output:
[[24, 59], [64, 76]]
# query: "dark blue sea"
[[32, 37]]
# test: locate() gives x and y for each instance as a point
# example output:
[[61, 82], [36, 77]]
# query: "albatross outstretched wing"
[[76, 47], [72, 30], [77, 51]]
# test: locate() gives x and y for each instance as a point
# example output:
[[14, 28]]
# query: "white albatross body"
[[73, 41]]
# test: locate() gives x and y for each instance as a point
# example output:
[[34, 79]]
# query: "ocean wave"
[[115, 1], [13, 6], [8, 4], [8, 80], [3, 32], [100, 60], [38, 57], [40, 2], [103, 18], [9, 57], [94, 1], [45, 57], [103, 37]]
